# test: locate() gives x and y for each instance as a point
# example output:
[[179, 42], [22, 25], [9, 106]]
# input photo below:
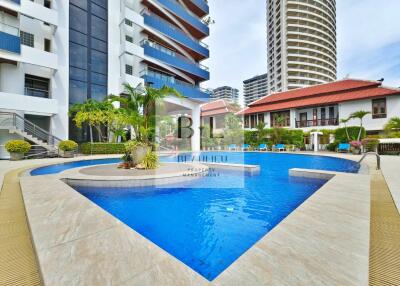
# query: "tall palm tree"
[[345, 121], [140, 106], [393, 125], [360, 115]]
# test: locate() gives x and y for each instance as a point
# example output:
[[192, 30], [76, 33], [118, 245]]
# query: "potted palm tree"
[[17, 149]]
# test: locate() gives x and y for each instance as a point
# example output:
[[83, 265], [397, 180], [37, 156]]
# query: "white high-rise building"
[[55, 53], [301, 43], [226, 92], [254, 88]]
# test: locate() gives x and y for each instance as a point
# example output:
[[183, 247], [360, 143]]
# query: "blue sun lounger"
[[279, 147], [245, 147], [343, 147], [232, 147], [262, 147]]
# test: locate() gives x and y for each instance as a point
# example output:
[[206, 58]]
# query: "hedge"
[[288, 136], [102, 148], [340, 134]]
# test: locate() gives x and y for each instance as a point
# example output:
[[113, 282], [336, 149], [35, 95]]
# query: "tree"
[[140, 108], [345, 121], [393, 126], [360, 115], [261, 132], [90, 112]]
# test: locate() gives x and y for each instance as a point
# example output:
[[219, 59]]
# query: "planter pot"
[[67, 154], [16, 156], [138, 154], [356, 151]]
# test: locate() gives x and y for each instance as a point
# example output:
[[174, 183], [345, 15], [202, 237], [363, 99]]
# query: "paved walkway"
[[391, 172]]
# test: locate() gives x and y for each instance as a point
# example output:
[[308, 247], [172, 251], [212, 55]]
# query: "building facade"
[[57, 53], [227, 93], [323, 106], [301, 43], [255, 88]]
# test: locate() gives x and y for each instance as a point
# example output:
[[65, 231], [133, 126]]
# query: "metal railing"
[[30, 91], [12, 120], [317, 122], [378, 159]]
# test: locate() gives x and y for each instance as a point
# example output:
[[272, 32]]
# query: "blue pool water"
[[58, 168], [209, 222]]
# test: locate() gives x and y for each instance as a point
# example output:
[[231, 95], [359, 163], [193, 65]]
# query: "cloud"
[[368, 33]]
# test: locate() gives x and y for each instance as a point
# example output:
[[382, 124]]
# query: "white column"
[[196, 128], [293, 118]]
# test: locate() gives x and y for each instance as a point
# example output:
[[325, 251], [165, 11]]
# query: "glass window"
[[77, 74], [99, 11], [27, 39], [77, 19], [99, 78], [102, 3], [37, 86], [99, 45], [77, 56], [128, 22], [99, 28], [129, 69], [81, 4], [379, 108], [77, 91], [77, 37], [99, 92], [99, 62], [129, 39]]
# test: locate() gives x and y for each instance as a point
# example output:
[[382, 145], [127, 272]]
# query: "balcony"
[[176, 34], [158, 80], [317, 122], [202, 4], [9, 39], [171, 58], [181, 12]]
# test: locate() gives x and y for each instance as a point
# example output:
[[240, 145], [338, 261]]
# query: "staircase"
[[16, 124]]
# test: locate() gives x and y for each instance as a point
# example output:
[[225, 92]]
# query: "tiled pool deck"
[[323, 242]]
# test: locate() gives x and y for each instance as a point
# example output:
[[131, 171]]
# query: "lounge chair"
[[343, 147], [232, 147], [245, 147], [263, 147], [279, 147]]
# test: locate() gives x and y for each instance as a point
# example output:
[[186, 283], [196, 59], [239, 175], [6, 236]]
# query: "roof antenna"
[[381, 80]]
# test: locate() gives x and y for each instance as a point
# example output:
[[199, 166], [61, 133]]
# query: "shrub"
[[356, 144], [332, 146], [340, 134], [102, 148], [67, 145], [370, 144], [150, 162], [18, 146], [130, 146]]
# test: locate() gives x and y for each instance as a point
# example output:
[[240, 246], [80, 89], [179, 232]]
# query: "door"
[[323, 116], [303, 119]]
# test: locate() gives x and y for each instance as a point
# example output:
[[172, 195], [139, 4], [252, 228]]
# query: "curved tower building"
[[301, 43]]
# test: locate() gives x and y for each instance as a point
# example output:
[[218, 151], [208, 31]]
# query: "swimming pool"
[[208, 223]]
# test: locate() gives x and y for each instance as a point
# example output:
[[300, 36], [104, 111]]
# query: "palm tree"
[[140, 107], [345, 121], [360, 115], [393, 125]]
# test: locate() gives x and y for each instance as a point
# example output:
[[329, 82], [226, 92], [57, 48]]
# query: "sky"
[[368, 41]]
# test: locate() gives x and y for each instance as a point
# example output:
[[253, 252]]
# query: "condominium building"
[[255, 88], [226, 92], [301, 39], [55, 53]]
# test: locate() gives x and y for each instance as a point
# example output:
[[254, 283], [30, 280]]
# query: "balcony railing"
[[9, 38], [158, 80], [175, 60], [181, 12], [37, 92], [175, 33], [317, 122]]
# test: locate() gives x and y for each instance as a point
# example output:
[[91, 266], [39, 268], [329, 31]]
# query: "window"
[[280, 118], [27, 39], [129, 39], [37, 86], [47, 4], [246, 122], [47, 45], [128, 22], [128, 69], [379, 108], [260, 118]]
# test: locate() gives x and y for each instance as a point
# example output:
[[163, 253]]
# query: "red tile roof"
[[324, 94], [217, 107]]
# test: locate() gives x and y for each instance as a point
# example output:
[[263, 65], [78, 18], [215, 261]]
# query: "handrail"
[[378, 159], [20, 123]]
